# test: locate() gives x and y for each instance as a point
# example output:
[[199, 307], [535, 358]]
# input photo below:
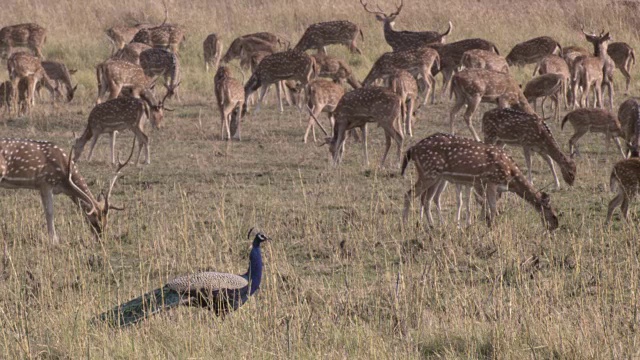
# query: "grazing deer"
[[160, 62], [594, 121], [443, 157], [473, 86], [532, 51], [6, 94], [61, 75], [547, 85], [131, 52], [166, 36], [113, 75], [594, 71], [119, 36], [513, 127], [263, 41], [336, 69], [554, 64], [359, 107], [483, 59], [41, 165], [405, 85], [29, 35], [625, 179], [405, 40], [25, 66], [451, 58], [624, 58], [230, 98], [418, 62], [629, 117], [285, 65], [319, 35], [212, 50], [322, 96], [120, 114]]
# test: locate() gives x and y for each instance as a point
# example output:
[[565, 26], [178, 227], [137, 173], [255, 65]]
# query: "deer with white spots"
[[121, 114], [405, 40], [624, 57], [119, 36], [319, 35], [473, 86], [212, 51], [165, 36], [28, 35], [533, 50], [22, 65], [625, 180], [61, 75], [361, 106], [42, 166], [131, 52], [554, 64], [517, 128], [230, 98], [594, 71], [483, 59], [113, 75], [629, 117], [545, 86], [594, 121], [443, 157], [406, 86], [160, 62], [322, 96], [266, 41], [336, 69]]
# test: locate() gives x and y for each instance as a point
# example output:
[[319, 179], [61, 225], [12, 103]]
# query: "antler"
[[364, 4], [398, 10], [121, 165], [87, 199], [170, 92]]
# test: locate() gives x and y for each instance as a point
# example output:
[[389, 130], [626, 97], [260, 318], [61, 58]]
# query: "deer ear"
[[73, 71]]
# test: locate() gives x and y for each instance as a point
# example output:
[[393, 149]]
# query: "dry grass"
[[342, 279]]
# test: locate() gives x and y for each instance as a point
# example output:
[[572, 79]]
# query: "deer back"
[[125, 73], [131, 52], [620, 52], [22, 34], [533, 50], [22, 64], [483, 59], [629, 117], [322, 92], [290, 64], [543, 85], [327, 33], [212, 47], [451, 54], [367, 104]]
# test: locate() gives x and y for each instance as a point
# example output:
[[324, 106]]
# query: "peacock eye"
[[262, 237]]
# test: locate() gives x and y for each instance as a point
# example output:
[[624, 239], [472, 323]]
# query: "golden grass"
[[342, 278]]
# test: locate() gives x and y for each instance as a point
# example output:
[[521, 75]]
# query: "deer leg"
[[113, 147], [143, 141], [625, 205], [471, 108], [363, 128], [549, 161], [279, 91], [460, 102], [625, 72], [573, 142], [468, 210], [94, 140], [447, 74], [527, 160], [237, 135], [409, 116], [310, 125], [617, 141], [615, 202], [491, 195], [556, 111], [418, 189], [263, 92], [46, 195]]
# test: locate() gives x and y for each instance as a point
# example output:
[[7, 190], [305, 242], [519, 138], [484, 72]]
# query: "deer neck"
[[523, 188], [551, 147], [80, 191], [389, 32]]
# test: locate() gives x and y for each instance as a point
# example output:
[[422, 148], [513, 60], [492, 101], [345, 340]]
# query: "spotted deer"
[[359, 107], [322, 96], [595, 121], [473, 86], [517, 128], [319, 35], [418, 62], [554, 64], [166, 36], [160, 62], [533, 50], [114, 75], [545, 86], [121, 114], [119, 36], [212, 51], [42, 166], [336, 69], [451, 58], [629, 117], [230, 98], [28, 35], [61, 75], [262, 41], [624, 58], [405, 40], [131, 52], [444, 157], [625, 180], [483, 59], [22, 65], [597, 69], [285, 65], [405, 85]]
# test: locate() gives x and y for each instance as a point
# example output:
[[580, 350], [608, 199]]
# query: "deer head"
[[381, 16], [549, 215]]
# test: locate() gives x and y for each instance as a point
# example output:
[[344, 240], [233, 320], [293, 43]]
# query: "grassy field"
[[343, 279]]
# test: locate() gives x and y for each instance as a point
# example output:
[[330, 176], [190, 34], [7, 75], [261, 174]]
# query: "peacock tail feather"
[[143, 307]]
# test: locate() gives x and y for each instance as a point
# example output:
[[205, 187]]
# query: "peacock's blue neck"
[[254, 274]]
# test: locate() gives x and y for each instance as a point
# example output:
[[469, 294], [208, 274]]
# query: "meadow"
[[343, 278]]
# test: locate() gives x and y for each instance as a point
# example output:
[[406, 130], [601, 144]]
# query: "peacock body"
[[219, 292]]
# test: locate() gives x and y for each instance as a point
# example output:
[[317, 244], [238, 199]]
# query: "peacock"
[[220, 292]]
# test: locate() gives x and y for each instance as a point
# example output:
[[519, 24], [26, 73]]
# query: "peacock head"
[[259, 238]]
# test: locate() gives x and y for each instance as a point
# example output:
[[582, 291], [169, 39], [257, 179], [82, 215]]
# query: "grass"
[[343, 279]]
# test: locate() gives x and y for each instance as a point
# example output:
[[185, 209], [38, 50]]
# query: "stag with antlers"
[[405, 40], [42, 166]]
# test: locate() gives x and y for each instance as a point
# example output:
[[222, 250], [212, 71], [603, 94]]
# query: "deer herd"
[[400, 82]]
